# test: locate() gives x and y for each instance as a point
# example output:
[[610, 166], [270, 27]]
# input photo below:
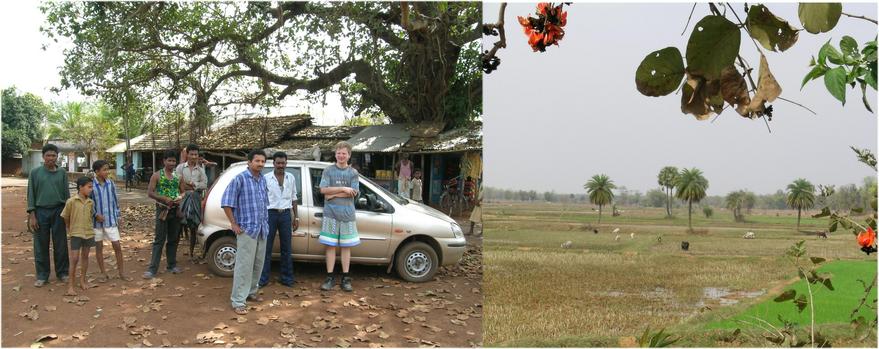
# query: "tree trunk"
[[799, 211], [690, 215], [599, 214], [668, 202]]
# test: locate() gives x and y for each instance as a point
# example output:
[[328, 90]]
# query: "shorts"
[[107, 233], [76, 242], [338, 233]]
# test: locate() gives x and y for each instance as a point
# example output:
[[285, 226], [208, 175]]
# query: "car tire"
[[416, 262], [221, 256]]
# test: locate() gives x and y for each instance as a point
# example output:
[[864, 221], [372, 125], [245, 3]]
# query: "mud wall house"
[[118, 153], [231, 143], [376, 150], [441, 156], [300, 143]]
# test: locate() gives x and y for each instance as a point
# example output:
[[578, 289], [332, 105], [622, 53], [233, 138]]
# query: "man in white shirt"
[[191, 172], [283, 218]]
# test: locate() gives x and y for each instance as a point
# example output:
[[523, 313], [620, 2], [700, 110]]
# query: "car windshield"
[[400, 200]]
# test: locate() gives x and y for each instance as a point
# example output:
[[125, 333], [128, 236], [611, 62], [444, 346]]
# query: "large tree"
[[411, 62], [690, 187], [22, 117], [667, 179], [600, 189], [87, 125], [801, 196]]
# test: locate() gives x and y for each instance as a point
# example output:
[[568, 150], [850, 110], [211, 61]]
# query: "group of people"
[[409, 183], [262, 206], [90, 217]]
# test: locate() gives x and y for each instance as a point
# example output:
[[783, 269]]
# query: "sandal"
[[257, 299], [240, 310]]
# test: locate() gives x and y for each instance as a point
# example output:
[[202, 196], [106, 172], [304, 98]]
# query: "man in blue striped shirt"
[[245, 203], [106, 221]]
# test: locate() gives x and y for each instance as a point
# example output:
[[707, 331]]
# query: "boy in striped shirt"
[[106, 220]]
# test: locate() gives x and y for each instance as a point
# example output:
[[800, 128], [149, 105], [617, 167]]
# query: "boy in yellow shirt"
[[78, 214]]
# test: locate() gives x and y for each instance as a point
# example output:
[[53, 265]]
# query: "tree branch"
[[861, 17]]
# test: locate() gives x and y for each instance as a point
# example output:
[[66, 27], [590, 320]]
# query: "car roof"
[[317, 164]]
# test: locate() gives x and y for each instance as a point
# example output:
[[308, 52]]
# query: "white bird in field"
[[567, 244], [631, 235], [617, 238], [617, 230]]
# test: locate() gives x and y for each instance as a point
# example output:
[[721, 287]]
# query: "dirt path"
[[175, 310]]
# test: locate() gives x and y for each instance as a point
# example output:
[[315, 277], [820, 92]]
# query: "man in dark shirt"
[[47, 192]]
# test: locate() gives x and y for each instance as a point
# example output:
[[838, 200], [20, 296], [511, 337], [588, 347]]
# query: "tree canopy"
[[22, 117], [410, 62]]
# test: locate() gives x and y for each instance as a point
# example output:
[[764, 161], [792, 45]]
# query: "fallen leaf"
[[373, 328], [262, 321], [458, 322], [304, 304], [241, 319], [166, 343], [317, 339], [352, 303], [208, 337], [342, 343], [375, 345], [147, 343], [51, 308], [408, 320], [463, 317], [129, 321], [383, 335], [80, 335]]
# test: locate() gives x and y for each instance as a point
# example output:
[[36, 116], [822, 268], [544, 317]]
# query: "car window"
[[297, 173], [315, 187], [365, 192]]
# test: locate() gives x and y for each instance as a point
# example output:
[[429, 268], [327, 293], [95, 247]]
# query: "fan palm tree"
[[690, 187], [667, 178], [600, 190], [735, 201], [801, 196]]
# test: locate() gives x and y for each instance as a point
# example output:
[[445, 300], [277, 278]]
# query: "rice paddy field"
[[606, 288]]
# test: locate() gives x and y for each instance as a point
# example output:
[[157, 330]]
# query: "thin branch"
[[802, 106], [689, 18], [861, 17], [745, 27], [864, 299]]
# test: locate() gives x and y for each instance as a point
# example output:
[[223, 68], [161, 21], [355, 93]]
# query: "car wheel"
[[417, 262], [221, 256]]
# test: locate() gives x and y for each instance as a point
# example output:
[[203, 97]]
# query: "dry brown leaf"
[[383, 335], [166, 343], [317, 339], [372, 328], [767, 87], [80, 335], [220, 326], [241, 319], [208, 337], [700, 97], [408, 320], [458, 322], [147, 343], [733, 87], [304, 304], [375, 345], [342, 343], [262, 321]]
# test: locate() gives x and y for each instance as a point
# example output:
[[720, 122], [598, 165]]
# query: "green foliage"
[[22, 117], [659, 339], [708, 211], [91, 126], [819, 17], [845, 66], [211, 55], [660, 73], [769, 30], [739, 201], [800, 196], [713, 46], [600, 191], [667, 178]]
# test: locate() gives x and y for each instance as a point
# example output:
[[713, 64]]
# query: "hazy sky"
[[25, 65], [554, 119]]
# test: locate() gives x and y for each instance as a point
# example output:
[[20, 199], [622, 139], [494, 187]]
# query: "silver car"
[[405, 235]]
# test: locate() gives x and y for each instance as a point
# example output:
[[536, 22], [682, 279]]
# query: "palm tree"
[[667, 178], [801, 196], [690, 186], [735, 201], [600, 190]]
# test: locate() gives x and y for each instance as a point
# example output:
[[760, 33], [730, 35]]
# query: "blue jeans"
[[282, 222]]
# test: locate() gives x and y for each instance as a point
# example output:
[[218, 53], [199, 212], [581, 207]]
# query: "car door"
[[374, 225]]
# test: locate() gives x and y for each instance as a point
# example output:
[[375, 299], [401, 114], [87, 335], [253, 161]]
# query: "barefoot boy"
[[77, 215], [106, 225]]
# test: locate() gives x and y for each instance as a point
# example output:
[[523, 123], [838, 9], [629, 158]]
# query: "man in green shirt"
[[47, 191]]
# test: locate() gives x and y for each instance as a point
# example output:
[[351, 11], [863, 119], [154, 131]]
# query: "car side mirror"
[[362, 202]]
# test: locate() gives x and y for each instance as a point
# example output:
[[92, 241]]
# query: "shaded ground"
[[192, 308]]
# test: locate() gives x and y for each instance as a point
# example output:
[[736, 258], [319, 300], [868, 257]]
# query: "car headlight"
[[456, 229]]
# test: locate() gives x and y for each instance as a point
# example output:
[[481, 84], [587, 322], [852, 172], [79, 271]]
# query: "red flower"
[[563, 17], [535, 40], [867, 238], [543, 7]]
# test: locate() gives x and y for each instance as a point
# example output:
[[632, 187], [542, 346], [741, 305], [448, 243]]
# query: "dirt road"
[[192, 308]]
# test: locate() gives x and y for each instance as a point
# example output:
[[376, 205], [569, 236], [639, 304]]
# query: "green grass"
[[604, 292], [830, 306]]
